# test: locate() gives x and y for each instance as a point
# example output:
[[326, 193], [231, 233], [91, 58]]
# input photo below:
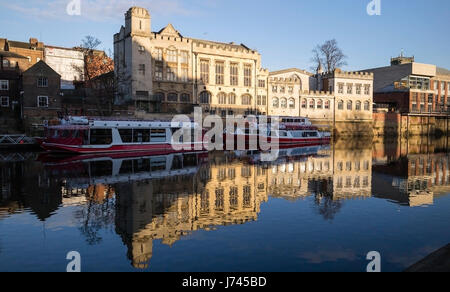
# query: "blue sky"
[[283, 31]]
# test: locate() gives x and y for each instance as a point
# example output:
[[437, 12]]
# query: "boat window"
[[283, 134], [190, 160], [310, 134], [158, 164], [101, 137], [101, 168], [177, 163], [158, 135], [297, 134], [126, 167], [65, 134], [141, 136], [76, 134], [126, 135], [141, 165]]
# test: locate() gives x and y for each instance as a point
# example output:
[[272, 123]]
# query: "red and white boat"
[[291, 132], [79, 135]]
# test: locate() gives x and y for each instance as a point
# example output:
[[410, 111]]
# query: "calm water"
[[314, 209]]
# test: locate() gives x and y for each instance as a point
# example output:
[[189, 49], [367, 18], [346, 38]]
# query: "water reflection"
[[166, 198]]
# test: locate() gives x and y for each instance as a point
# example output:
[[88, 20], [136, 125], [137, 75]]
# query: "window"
[[4, 84], [29, 59], [349, 88], [340, 105], [358, 106], [312, 104], [5, 63], [42, 82], [4, 101], [319, 104], [184, 57], [262, 83], [42, 101], [204, 71], [282, 89], [172, 97], [246, 100], [291, 89], [141, 69], [141, 49], [157, 135], [171, 74], [185, 97], [327, 104], [101, 137], [234, 74], [349, 105], [341, 88], [274, 89], [275, 102], [141, 136], [367, 89], [126, 135], [367, 106], [232, 98], [184, 75], [283, 103], [220, 77], [159, 55], [172, 56], [159, 72], [262, 100], [358, 89], [222, 98], [292, 103], [248, 75], [205, 97]]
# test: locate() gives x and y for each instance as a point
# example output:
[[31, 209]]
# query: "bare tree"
[[328, 55]]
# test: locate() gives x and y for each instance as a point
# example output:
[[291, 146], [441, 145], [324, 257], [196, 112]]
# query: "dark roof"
[[11, 55], [22, 45], [39, 67], [442, 71]]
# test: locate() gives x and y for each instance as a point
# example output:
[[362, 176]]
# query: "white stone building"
[[69, 63]]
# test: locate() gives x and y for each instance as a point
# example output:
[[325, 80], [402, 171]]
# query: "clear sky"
[[283, 31]]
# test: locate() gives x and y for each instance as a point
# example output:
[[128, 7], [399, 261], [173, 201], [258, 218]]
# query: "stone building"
[[166, 72], [41, 98]]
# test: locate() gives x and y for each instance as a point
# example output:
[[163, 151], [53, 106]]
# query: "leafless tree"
[[329, 55]]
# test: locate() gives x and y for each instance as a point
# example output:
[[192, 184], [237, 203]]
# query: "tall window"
[[358, 88], [262, 100], [4, 101], [304, 103], [349, 88], [42, 101], [159, 55], [262, 83], [327, 104], [246, 99], [172, 56], [283, 103], [340, 105], [4, 84], [184, 57], [234, 74], [358, 106], [42, 82], [274, 89], [292, 103], [184, 75], [222, 98], [171, 74], [312, 104], [204, 71], [275, 102], [366, 89], [185, 97], [367, 106], [232, 98], [220, 78], [159, 72], [205, 97], [341, 88], [141, 69], [349, 105], [319, 104], [248, 75]]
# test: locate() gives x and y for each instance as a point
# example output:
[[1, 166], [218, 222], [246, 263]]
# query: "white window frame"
[[7, 101], [2, 82], [38, 101], [44, 84]]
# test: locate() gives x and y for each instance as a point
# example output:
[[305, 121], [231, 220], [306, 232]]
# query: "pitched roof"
[[296, 70], [442, 71], [11, 55], [39, 68]]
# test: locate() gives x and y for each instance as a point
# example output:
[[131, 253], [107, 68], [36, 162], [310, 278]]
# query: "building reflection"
[[413, 172]]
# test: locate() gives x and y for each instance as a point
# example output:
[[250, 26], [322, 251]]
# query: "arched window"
[[222, 98], [172, 97], [232, 98], [246, 99], [275, 102], [304, 103], [319, 104], [366, 106], [340, 105], [327, 104], [349, 105], [358, 105], [159, 96], [291, 103], [283, 103], [205, 97], [312, 104]]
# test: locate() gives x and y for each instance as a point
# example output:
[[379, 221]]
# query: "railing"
[[16, 157], [16, 140]]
